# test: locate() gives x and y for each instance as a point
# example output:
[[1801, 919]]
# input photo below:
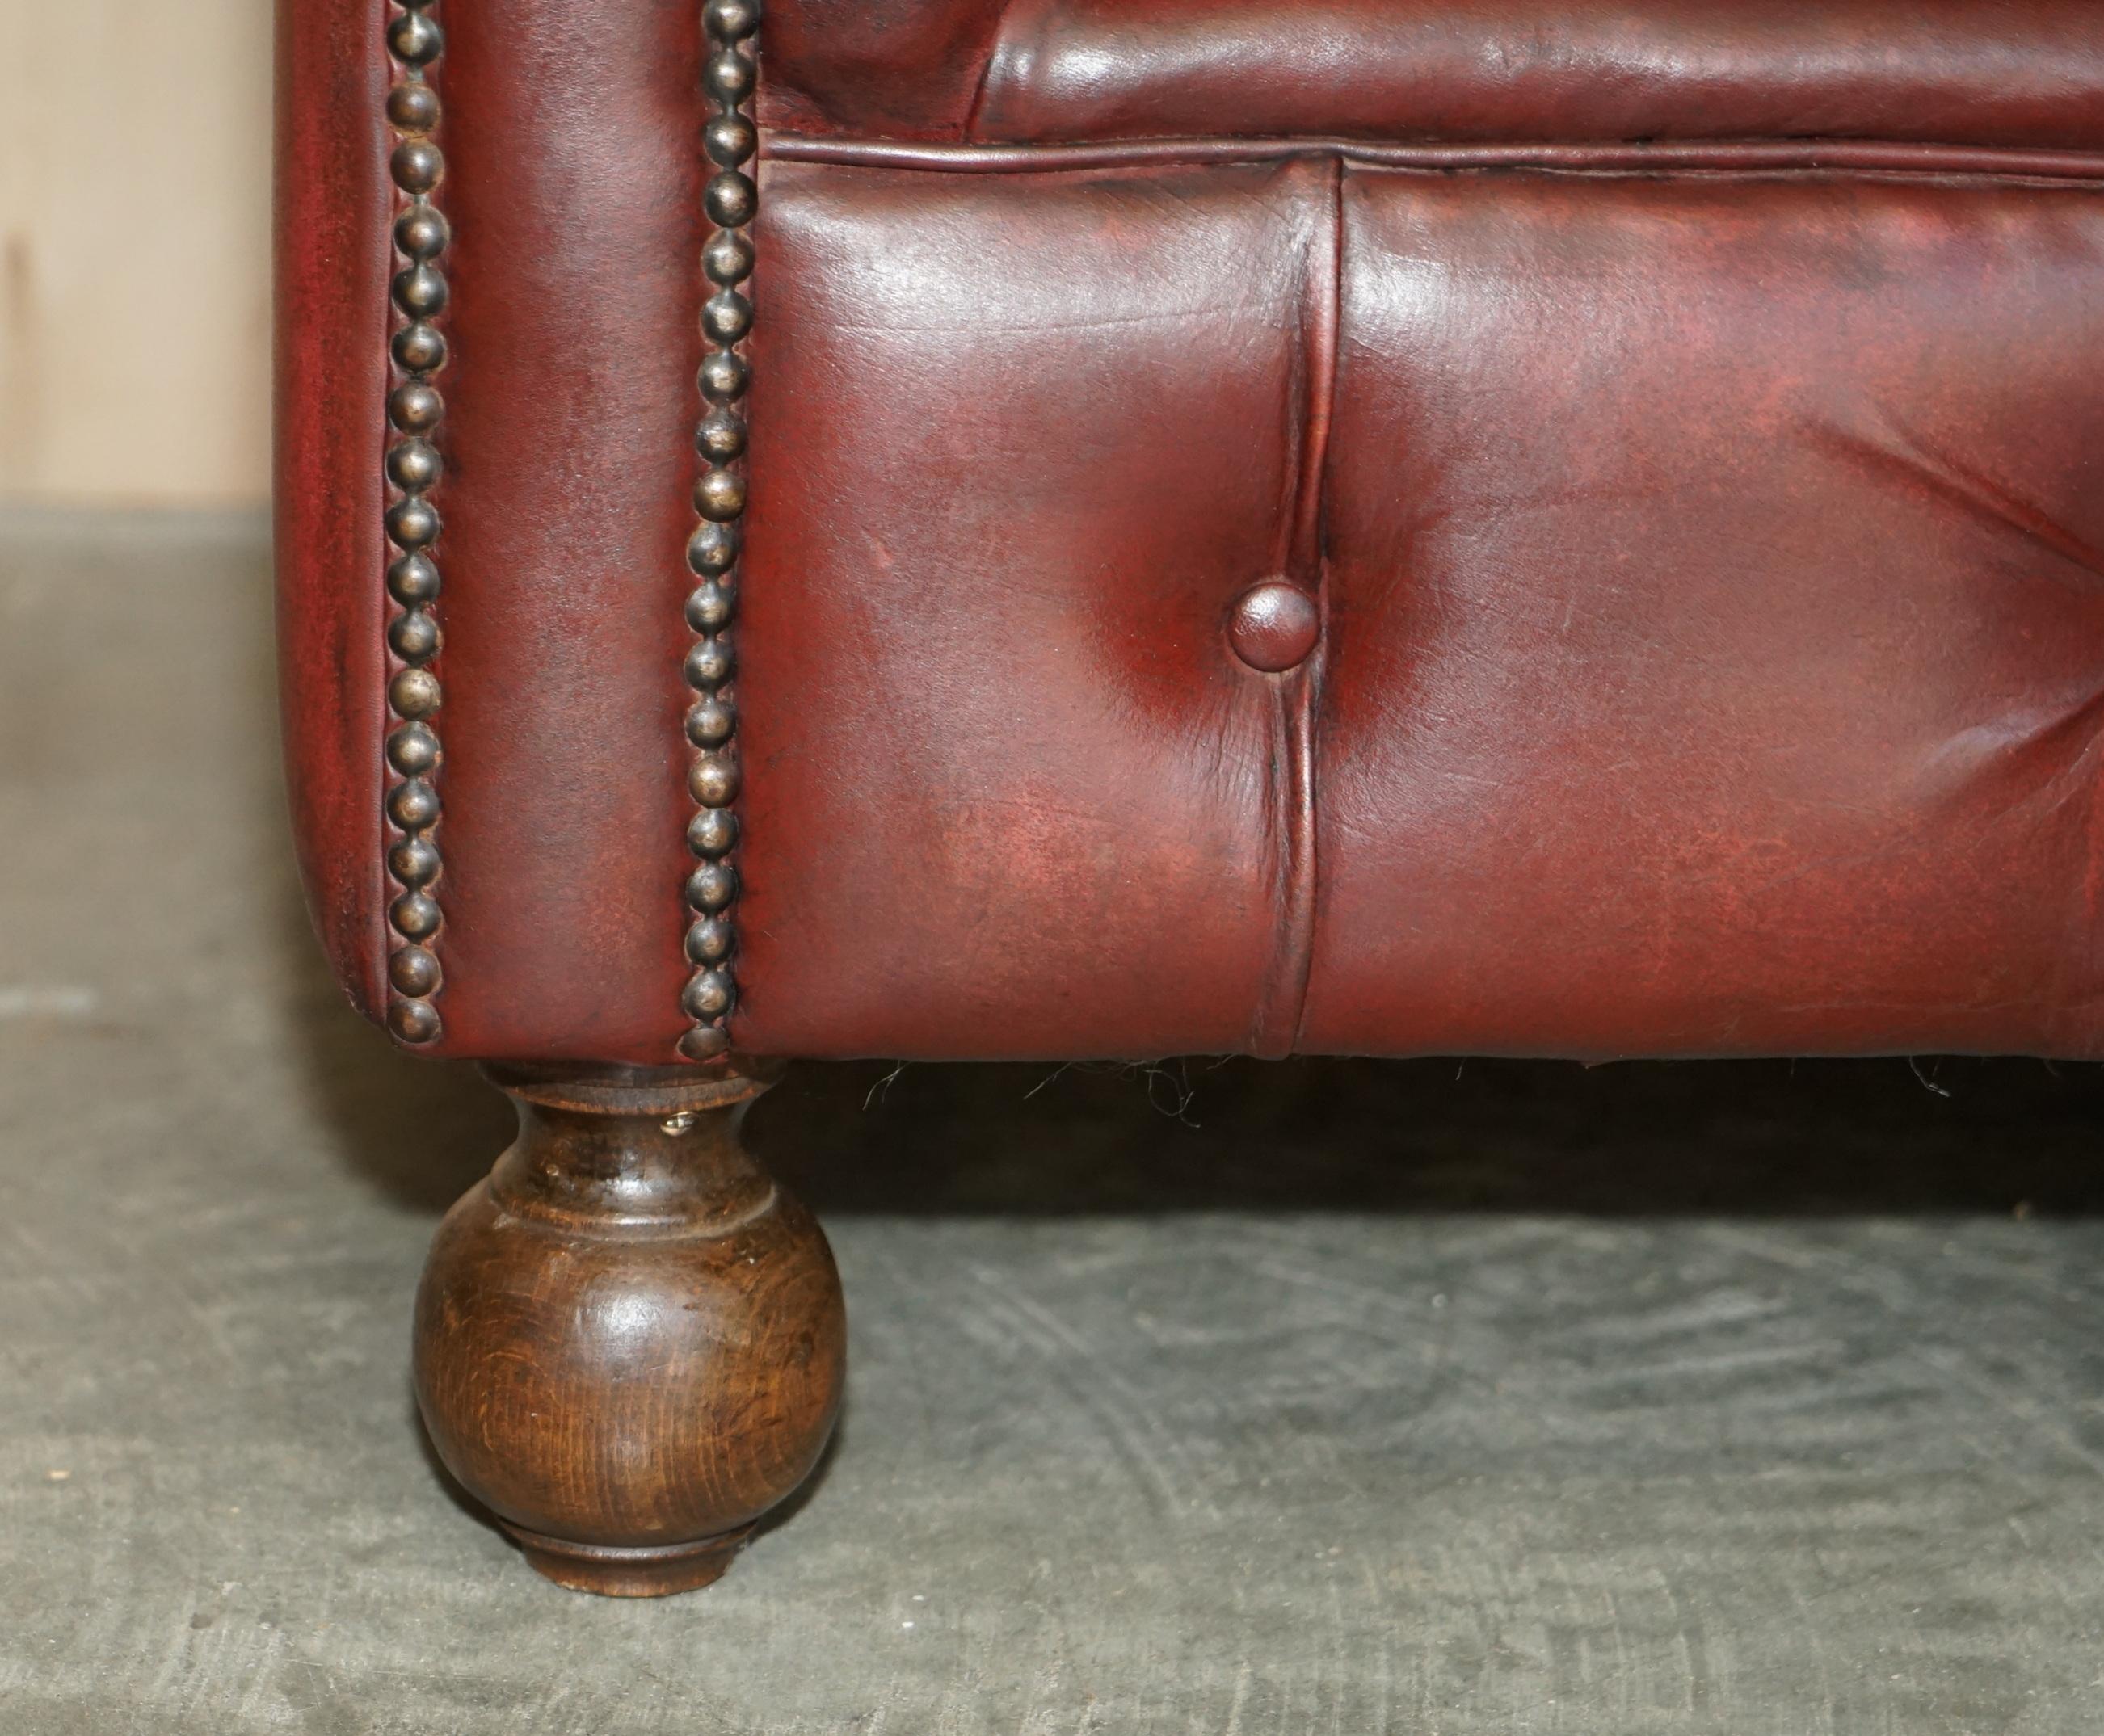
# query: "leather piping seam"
[[1296, 696], [417, 351], [729, 74], [1854, 156]]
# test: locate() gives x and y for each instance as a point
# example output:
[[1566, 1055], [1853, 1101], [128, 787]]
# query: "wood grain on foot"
[[630, 1342]]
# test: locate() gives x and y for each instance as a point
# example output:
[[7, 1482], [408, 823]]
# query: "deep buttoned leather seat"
[[1360, 526], [1682, 416]]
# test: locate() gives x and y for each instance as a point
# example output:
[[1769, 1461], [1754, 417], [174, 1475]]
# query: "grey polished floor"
[[1331, 1397]]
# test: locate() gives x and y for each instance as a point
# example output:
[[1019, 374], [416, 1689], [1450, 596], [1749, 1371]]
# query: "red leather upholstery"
[[574, 189], [2000, 72], [1717, 620], [1714, 628], [1008, 791], [1706, 562], [332, 268]]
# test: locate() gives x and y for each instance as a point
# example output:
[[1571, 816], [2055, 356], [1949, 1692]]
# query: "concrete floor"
[[1320, 1398]]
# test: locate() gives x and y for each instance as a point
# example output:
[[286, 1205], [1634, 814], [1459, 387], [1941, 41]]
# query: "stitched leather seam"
[[1842, 156]]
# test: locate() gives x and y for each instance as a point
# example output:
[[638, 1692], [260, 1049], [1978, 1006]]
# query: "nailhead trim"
[[712, 551], [414, 411]]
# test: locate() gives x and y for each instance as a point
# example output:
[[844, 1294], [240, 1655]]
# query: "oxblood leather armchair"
[[1530, 526]]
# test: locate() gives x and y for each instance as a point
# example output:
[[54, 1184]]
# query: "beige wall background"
[[134, 284]]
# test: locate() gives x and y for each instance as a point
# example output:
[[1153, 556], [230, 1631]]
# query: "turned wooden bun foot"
[[630, 1340], [631, 1573]]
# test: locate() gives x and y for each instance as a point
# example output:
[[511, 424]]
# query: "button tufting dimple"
[[1275, 626]]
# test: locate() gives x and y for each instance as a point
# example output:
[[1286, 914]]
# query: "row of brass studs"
[[414, 411], [712, 552]]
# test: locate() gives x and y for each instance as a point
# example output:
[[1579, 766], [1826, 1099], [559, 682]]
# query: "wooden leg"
[[630, 1341]]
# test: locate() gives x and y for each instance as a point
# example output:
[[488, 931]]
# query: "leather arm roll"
[[570, 196]]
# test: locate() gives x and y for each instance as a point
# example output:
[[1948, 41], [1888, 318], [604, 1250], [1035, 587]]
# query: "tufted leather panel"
[[1714, 615], [1020, 444], [2015, 72], [1717, 620], [1704, 571]]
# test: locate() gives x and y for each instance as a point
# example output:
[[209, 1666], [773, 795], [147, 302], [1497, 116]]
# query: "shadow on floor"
[[1758, 1138]]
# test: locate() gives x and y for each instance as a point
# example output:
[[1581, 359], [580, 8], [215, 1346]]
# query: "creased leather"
[[1297, 692], [910, 69]]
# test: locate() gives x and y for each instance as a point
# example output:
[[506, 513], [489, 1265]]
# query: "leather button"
[[1275, 626]]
